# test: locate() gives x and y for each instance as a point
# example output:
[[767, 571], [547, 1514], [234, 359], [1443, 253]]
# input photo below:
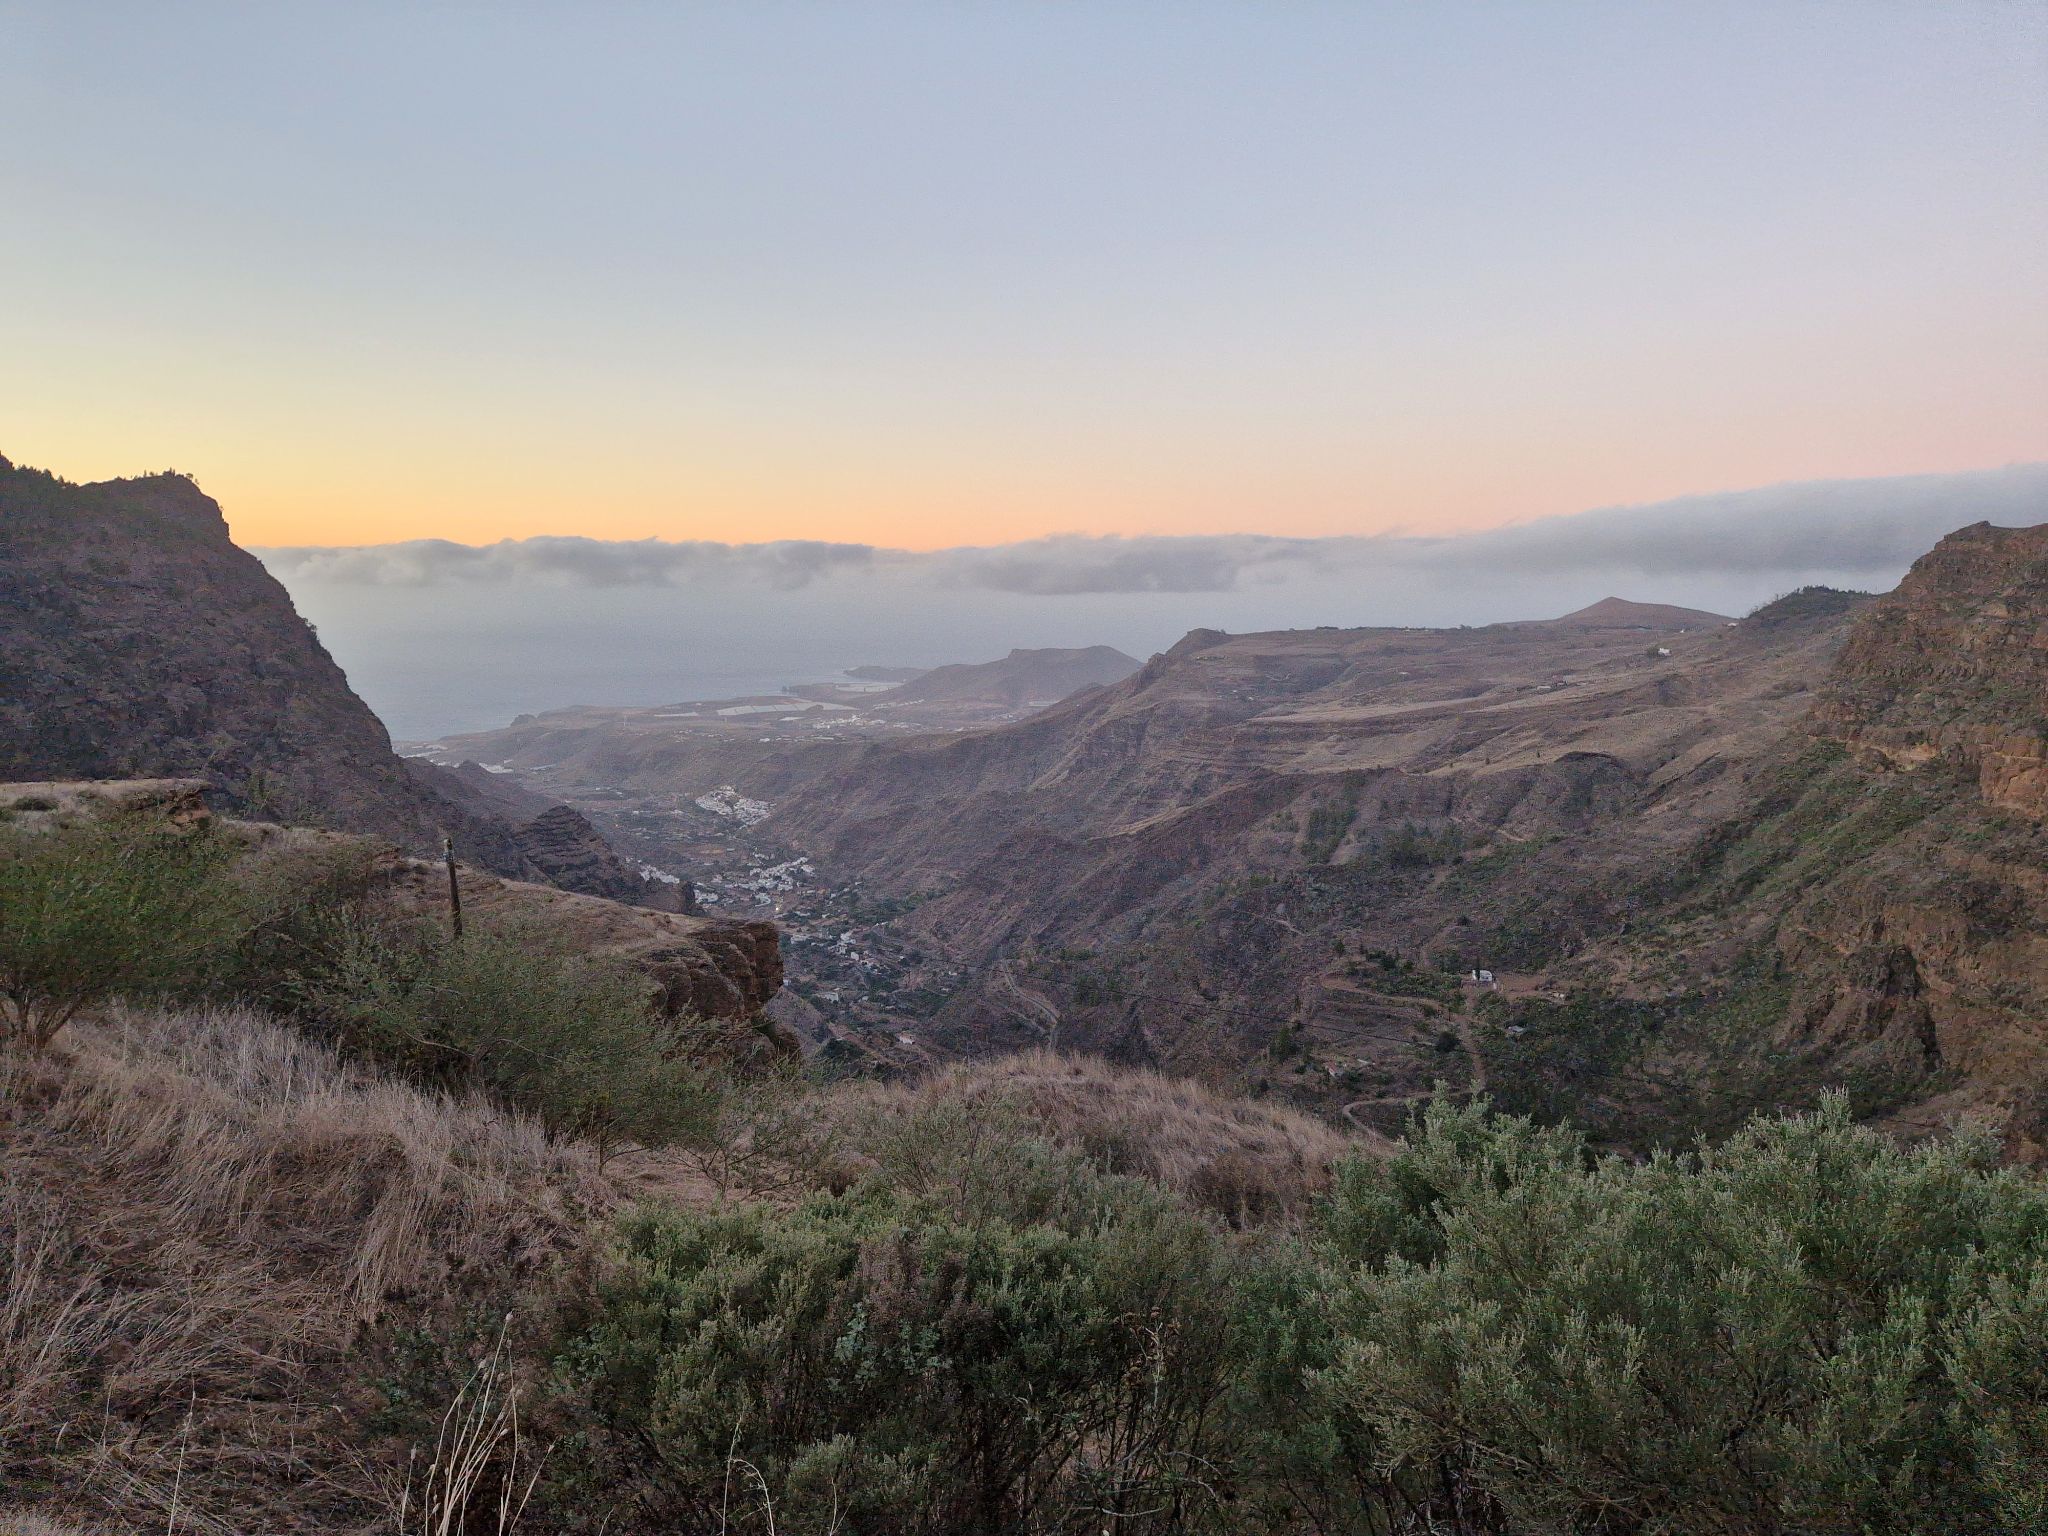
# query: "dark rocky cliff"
[[1919, 938], [1955, 664], [137, 641]]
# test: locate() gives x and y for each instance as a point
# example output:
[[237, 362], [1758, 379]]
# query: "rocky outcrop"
[[550, 841], [137, 641], [1919, 943], [1954, 664], [177, 802], [718, 968], [568, 850]]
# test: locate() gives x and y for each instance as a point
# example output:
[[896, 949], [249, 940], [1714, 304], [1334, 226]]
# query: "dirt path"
[[1379, 1142], [1033, 1009], [1471, 1044], [1385, 1145]]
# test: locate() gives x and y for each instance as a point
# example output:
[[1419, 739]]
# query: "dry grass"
[[483, 1469], [205, 1217], [1251, 1162], [28, 1523], [217, 1237]]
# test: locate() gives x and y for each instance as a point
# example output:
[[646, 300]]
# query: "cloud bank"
[[1873, 526], [441, 636], [569, 561]]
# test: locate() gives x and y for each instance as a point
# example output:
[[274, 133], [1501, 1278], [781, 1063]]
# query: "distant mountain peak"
[[1026, 674], [1622, 613]]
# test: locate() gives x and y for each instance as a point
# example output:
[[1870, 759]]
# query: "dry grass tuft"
[[204, 1214], [1251, 1162], [16, 1522], [482, 1470]]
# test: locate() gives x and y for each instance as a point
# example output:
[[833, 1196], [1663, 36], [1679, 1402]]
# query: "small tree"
[[573, 1038], [109, 907]]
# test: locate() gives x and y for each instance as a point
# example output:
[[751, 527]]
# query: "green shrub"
[[1808, 1329], [111, 907], [1416, 846], [1324, 832], [1996, 1360], [889, 1362], [571, 1037], [299, 898]]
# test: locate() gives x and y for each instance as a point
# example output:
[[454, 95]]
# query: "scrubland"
[[335, 1227]]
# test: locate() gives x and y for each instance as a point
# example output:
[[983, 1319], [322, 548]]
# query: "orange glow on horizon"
[[273, 504]]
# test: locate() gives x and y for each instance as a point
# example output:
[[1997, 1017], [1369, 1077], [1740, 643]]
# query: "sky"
[[916, 277]]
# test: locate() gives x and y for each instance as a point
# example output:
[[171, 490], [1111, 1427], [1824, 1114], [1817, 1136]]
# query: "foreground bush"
[[1808, 1329], [881, 1361], [110, 906]]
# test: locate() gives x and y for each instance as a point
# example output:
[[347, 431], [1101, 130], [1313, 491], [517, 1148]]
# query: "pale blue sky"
[[930, 274]]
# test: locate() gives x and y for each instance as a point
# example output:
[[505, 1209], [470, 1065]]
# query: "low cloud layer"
[[1072, 564], [1870, 526], [442, 637], [570, 561], [1876, 527]]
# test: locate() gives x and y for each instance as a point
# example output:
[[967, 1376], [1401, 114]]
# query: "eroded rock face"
[[1922, 940], [547, 840], [1955, 664]]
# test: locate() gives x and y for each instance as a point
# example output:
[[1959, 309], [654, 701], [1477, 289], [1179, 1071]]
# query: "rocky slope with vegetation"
[[318, 1217], [1893, 861], [1272, 856], [708, 967], [137, 641], [1711, 865]]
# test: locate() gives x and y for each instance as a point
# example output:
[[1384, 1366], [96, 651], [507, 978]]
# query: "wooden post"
[[454, 890]]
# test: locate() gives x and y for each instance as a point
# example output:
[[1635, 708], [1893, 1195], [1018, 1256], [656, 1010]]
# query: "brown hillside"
[[220, 1235], [1190, 868]]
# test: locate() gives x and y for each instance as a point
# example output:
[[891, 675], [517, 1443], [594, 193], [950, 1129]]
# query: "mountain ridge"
[[137, 640], [1270, 857], [1044, 673]]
